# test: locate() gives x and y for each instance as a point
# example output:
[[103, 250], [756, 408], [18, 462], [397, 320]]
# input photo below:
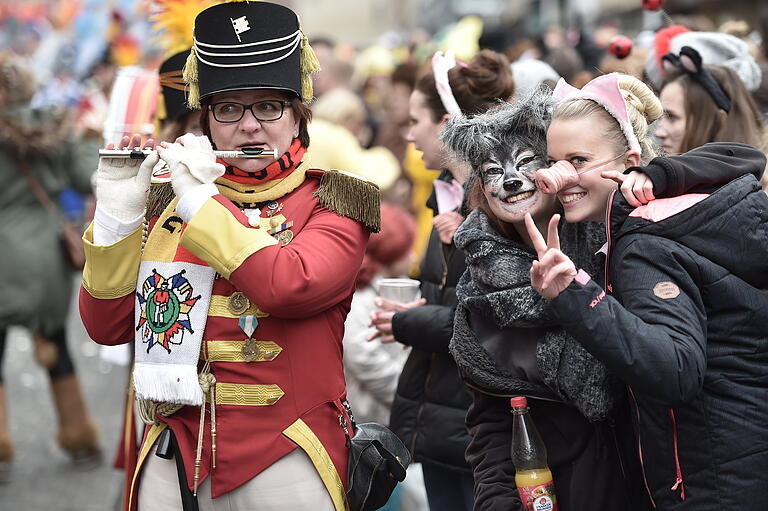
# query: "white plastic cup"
[[400, 290]]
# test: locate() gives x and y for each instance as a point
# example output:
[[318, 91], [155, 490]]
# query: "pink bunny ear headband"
[[603, 90], [441, 64]]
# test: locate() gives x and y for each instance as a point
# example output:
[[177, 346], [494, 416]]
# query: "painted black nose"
[[511, 185]]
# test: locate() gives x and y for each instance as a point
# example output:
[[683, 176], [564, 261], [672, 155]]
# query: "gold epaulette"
[[349, 195]]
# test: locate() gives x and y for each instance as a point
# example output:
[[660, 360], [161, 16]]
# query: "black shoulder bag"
[[377, 462]]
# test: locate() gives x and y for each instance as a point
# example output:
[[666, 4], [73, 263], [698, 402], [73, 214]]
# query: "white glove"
[[122, 185], [192, 163]]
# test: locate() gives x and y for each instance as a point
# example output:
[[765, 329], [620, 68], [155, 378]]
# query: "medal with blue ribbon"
[[248, 325]]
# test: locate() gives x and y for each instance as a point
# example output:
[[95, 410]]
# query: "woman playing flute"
[[236, 295]]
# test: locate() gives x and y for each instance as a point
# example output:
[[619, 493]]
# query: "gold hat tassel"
[[191, 77], [309, 65]]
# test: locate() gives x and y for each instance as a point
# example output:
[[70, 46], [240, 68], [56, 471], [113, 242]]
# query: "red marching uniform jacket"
[[288, 393]]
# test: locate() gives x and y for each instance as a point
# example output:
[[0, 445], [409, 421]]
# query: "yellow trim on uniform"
[[220, 307], [215, 235], [163, 242], [304, 437], [152, 435], [232, 351], [240, 394], [111, 270], [270, 190]]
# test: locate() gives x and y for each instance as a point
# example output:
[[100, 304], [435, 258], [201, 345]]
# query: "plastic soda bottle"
[[532, 476]]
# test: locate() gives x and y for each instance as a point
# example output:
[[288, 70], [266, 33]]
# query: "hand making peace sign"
[[554, 271]]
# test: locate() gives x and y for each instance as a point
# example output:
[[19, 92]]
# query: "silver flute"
[[140, 154]]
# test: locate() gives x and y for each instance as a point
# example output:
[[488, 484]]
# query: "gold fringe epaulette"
[[350, 196], [160, 195]]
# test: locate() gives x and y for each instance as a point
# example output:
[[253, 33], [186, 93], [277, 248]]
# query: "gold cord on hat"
[[190, 76]]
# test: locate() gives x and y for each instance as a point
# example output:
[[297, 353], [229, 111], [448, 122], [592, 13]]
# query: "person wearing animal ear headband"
[[678, 315], [235, 293], [703, 104]]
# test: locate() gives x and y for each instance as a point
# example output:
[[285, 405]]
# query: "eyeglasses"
[[267, 110]]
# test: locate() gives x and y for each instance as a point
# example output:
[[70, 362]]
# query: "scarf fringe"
[[168, 383], [351, 197], [160, 195]]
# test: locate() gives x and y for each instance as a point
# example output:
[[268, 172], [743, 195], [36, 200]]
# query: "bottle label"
[[540, 497]]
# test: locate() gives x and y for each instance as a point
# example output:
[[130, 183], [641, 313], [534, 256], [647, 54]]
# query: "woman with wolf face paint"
[[431, 401], [506, 342]]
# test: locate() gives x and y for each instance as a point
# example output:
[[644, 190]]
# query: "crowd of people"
[[587, 231]]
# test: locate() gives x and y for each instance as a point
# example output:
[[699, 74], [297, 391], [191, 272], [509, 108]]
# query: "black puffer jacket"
[[690, 340], [431, 401]]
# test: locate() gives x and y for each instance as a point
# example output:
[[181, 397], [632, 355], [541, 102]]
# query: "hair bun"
[[640, 97], [489, 75]]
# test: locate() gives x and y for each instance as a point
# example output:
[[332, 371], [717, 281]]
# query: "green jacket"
[[35, 279]]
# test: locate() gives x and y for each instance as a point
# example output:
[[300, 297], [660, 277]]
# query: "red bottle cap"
[[518, 402]]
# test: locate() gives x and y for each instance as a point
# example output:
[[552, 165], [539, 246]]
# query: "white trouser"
[[289, 483]]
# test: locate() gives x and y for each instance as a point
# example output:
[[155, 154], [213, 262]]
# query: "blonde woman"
[[678, 319]]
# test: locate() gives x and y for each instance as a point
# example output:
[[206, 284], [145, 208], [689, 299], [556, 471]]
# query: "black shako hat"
[[174, 88], [246, 45]]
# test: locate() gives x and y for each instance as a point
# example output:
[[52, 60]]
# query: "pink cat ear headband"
[[603, 90]]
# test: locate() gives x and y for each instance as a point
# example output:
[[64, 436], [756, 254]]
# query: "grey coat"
[[35, 279]]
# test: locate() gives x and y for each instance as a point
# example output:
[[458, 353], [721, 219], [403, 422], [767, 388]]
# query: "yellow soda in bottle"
[[532, 476]]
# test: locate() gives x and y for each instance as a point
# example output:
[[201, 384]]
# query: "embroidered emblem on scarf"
[[165, 306]]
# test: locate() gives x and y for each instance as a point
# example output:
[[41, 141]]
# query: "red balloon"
[[621, 46], [653, 5]]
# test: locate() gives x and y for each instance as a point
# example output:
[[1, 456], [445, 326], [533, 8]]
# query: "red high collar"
[[278, 169]]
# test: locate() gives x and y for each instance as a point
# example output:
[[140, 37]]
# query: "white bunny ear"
[[441, 64], [688, 63]]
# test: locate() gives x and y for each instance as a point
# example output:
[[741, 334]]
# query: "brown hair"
[[705, 122], [485, 80], [300, 110]]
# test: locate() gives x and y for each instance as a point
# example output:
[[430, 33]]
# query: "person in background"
[[431, 402], [346, 109], [715, 48], [334, 73], [706, 104], [35, 278], [372, 369], [175, 118]]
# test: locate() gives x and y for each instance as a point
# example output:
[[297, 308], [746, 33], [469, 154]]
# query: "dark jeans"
[[448, 490], [63, 365]]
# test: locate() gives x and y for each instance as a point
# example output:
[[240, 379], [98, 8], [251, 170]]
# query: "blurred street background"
[[43, 477]]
